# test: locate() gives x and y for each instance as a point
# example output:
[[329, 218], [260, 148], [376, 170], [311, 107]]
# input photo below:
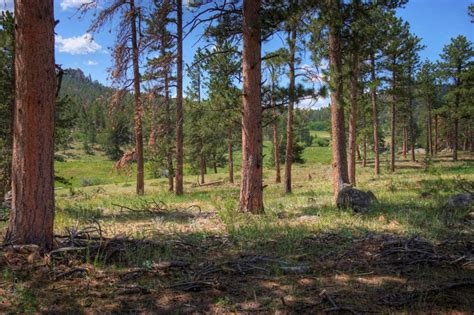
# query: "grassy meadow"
[[302, 255]]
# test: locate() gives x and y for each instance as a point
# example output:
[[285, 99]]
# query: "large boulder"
[[462, 201], [355, 199]]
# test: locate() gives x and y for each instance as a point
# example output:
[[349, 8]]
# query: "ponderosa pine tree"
[[455, 64], [251, 188], [427, 92], [127, 49], [32, 215], [179, 99]]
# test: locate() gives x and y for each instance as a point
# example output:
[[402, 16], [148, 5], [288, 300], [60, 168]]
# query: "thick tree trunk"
[[375, 119], [138, 103], [276, 145], [251, 188], [231, 157], [291, 103], [32, 215], [339, 157], [179, 100], [353, 117]]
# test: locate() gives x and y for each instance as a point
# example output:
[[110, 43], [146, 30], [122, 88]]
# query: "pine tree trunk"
[[291, 102], [231, 157], [353, 117], [138, 104], [251, 188], [169, 147], [405, 143], [202, 168], [359, 156], [412, 138], [375, 119], [436, 135], [364, 161], [339, 157], [392, 134], [214, 164], [32, 215], [179, 100], [276, 146], [429, 132]]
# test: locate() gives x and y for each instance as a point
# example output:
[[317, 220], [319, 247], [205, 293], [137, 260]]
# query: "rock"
[[358, 200], [426, 195], [460, 201]]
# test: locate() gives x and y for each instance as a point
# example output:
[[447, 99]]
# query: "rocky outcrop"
[[7, 200]]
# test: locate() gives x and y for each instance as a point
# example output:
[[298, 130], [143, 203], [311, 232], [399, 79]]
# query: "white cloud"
[[79, 45], [91, 63], [6, 5], [71, 4], [313, 103]]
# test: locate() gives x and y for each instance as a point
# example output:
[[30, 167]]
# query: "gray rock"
[[356, 199], [462, 201]]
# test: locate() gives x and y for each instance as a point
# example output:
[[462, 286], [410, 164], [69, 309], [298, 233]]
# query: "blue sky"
[[435, 21]]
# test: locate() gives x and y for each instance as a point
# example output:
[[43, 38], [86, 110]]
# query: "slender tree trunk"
[[276, 146], [375, 119], [339, 157], [203, 168], [412, 138], [251, 188], [359, 156], [291, 101], [353, 117], [231, 157], [429, 132], [214, 164], [138, 103], [32, 215], [405, 142], [179, 100], [364, 161], [392, 134], [436, 135], [169, 147]]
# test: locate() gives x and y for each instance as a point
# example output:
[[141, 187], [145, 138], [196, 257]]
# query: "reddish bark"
[[251, 188], [179, 101], [436, 135], [138, 103], [339, 158], [32, 216]]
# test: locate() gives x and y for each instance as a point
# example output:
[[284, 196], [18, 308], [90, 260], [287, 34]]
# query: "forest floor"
[[197, 254]]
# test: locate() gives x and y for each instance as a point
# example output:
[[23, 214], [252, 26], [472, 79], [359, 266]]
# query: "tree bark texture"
[[375, 119], [32, 215], [251, 188], [291, 104], [353, 117]]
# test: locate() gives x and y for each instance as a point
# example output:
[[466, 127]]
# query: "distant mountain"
[[82, 88]]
